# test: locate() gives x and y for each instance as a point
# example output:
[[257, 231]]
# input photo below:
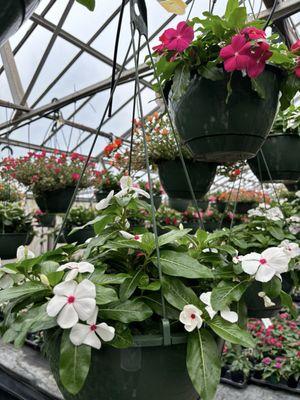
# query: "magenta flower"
[[159, 49], [258, 57], [253, 33], [297, 69], [266, 360], [236, 55], [296, 47], [180, 38]]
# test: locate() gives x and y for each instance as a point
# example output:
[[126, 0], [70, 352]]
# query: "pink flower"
[[75, 177], [266, 360], [236, 55], [296, 47], [161, 47], [278, 365], [253, 33], [258, 57], [180, 38], [297, 69]]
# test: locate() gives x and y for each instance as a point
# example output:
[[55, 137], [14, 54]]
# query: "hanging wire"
[[271, 13]]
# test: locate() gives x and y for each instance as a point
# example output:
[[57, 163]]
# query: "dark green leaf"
[[128, 287], [177, 294], [172, 236], [105, 295], [127, 311], [26, 289], [225, 293], [287, 301], [123, 337], [90, 4], [231, 332]]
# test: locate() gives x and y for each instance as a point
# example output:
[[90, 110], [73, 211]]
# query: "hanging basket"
[[293, 187], [173, 179], [101, 194], [242, 207], [12, 15], [183, 204], [255, 304], [157, 200], [55, 201], [79, 237], [9, 243], [146, 371], [281, 152], [47, 220], [217, 130]]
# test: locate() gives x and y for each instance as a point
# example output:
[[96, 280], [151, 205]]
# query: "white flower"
[[210, 250], [89, 334], [237, 259], [190, 316], [267, 322], [72, 301], [255, 212], [126, 184], [282, 201], [23, 253], [129, 236], [76, 268], [274, 214], [267, 301], [264, 266], [297, 194], [294, 222], [104, 203], [226, 314], [291, 249]]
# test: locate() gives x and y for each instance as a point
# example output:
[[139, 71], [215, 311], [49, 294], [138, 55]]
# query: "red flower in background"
[[295, 48], [297, 69], [75, 177], [253, 33]]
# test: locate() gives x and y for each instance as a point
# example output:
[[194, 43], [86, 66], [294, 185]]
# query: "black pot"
[[211, 225], [9, 243], [217, 130], [12, 15], [157, 200], [242, 207], [191, 225], [292, 382], [145, 372], [255, 304], [47, 220], [183, 204], [55, 201], [222, 206], [101, 194], [237, 376], [79, 237], [293, 187], [173, 180], [281, 153]]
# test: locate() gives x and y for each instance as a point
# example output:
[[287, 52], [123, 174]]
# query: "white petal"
[[68, 317], [250, 263], [92, 340], [55, 305], [85, 267], [69, 265], [276, 259], [142, 193], [264, 273], [92, 320], [65, 288], [190, 327], [71, 275], [126, 182], [126, 235], [184, 318], [230, 316], [211, 311], [85, 289], [205, 298], [122, 193], [78, 333], [106, 333], [85, 308]]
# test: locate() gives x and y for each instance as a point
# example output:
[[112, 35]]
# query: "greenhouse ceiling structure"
[[55, 75]]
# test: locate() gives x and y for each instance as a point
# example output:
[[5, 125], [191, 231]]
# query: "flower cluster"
[[42, 172], [157, 188], [231, 171], [288, 121], [106, 180], [9, 192], [14, 219], [243, 195], [266, 211]]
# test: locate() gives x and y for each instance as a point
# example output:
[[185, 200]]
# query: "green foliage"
[[13, 218], [90, 4]]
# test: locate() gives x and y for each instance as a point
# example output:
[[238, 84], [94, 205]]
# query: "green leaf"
[[153, 286], [203, 363], [123, 337], [128, 287], [74, 364], [182, 265], [48, 267], [181, 81], [127, 311], [273, 287], [231, 6], [26, 289], [55, 277], [148, 243], [172, 236], [90, 4], [225, 293], [287, 301], [276, 232], [237, 18], [107, 279], [155, 302], [105, 295], [177, 294], [212, 72], [231, 332]]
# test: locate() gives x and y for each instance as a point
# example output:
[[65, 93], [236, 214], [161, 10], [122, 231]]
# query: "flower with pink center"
[[71, 302], [291, 249], [271, 262], [180, 38], [236, 55], [253, 33], [129, 236], [295, 48], [190, 316], [91, 332]]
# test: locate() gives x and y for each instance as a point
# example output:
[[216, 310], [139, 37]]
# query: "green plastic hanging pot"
[[12, 15], [183, 204], [255, 304], [293, 187], [282, 156], [146, 371], [55, 201], [79, 237], [9, 243], [173, 179], [219, 130]]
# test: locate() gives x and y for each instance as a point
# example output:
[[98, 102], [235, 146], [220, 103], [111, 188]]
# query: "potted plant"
[[15, 229], [226, 66], [52, 178], [279, 161], [78, 217], [167, 217], [109, 296], [293, 187], [241, 200], [9, 192], [104, 182], [44, 219]]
